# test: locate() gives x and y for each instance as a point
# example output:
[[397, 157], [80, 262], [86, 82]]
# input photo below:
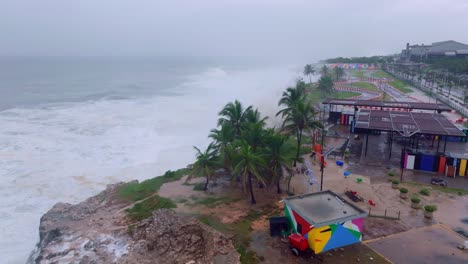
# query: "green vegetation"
[[212, 202], [415, 200], [425, 192], [401, 86], [138, 191], [395, 182], [240, 230], [382, 74], [430, 208], [199, 187], [453, 65], [359, 74], [391, 173], [367, 86], [372, 60], [206, 163], [444, 189], [309, 71], [143, 209], [403, 190], [346, 94]]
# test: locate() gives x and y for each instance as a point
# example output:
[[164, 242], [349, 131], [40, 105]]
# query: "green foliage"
[[346, 94], [359, 74], [139, 191], [325, 84], [382, 74], [391, 173], [430, 208], [444, 189], [425, 192], [206, 163], [453, 65], [240, 230], [367, 86], [369, 60], [212, 202], [415, 200], [401, 86], [309, 71], [199, 186], [338, 72], [395, 182], [144, 209], [403, 190]]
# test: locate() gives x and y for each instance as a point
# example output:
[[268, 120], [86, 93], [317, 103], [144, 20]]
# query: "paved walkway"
[[434, 244]]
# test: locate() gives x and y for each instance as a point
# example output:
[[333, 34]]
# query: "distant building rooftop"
[[323, 208]]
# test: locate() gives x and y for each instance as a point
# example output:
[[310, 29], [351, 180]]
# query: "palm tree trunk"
[[206, 183], [252, 198], [278, 178], [310, 78], [298, 146], [299, 139]]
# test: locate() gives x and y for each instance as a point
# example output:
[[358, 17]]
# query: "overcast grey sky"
[[295, 28]]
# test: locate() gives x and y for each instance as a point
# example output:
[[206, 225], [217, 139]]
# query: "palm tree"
[[254, 116], [309, 71], [254, 134], [339, 73], [302, 116], [290, 98], [280, 156], [324, 71], [233, 114], [206, 163], [325, 84], [247, 164], [223, 139]]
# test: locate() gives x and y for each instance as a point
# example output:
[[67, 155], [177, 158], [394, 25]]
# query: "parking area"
[[432, 244]]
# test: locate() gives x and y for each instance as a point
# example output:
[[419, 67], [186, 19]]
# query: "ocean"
[[70, 126]]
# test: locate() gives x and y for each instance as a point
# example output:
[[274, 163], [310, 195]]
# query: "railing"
[[385, 215]]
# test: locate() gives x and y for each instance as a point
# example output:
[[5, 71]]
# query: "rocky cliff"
[[98, 231]]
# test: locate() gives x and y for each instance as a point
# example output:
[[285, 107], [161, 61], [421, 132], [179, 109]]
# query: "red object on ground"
[[441, 165], [371, 203], [298, 241]]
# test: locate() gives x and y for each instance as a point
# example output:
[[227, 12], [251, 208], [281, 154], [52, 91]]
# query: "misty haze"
[[233, 131]]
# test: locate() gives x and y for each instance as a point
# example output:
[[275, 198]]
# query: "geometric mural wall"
[[328, 237]]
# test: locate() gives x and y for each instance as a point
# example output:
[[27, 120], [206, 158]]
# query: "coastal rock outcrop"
[[98, 231]]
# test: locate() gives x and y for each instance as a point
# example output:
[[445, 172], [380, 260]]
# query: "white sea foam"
[[70, 151]]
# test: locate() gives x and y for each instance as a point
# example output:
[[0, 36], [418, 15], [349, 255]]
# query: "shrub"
[[199, 186], [415, 200], [403, 190], [396, 182], [425, 192], [430, 208], [391, 173]]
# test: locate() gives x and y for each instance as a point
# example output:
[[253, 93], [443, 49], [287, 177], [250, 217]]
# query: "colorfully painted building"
[[325, 220]]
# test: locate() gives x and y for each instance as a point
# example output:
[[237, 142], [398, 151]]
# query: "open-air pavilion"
[[387, 105], [405, 124]]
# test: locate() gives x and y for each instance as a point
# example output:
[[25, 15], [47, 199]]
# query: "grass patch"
[[240, 230], [359, 74], [401, 86], [382, 74], [367, 86], [451, 190], [143, 209], [346, 94], [212, 202], [138, 191]]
